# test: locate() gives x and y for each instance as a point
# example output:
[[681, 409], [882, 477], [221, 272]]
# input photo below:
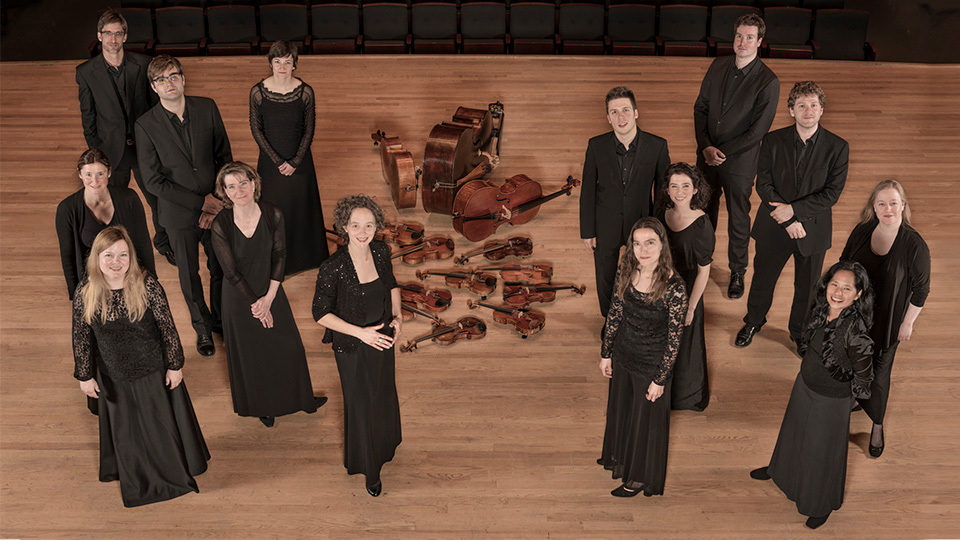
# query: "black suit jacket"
[[811, 196], [608, 209], [181, 177], [101, 112], [738, 128]]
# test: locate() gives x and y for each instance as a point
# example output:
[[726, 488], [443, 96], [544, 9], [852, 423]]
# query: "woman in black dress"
[[358, 302], [692, 240], [266, 360], [282, 116], [898, 262], [149, 436], [640, 346], [809, 463]]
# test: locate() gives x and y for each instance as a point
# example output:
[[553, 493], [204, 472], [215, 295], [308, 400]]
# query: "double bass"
[[465, 328], [458, 152], [399, 170]]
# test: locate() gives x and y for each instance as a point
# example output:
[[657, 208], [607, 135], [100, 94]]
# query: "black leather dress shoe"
[[168, 255], [205, 345], [374, 491], [268, 420], [875, 451], [745, 335], [319, 401], [814, 522], [760, 474], [735, 289], [623, 491]]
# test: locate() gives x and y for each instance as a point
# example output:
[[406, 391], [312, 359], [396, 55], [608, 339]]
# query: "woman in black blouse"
[[809, 462], [149, 436], [898, 262], [640, 345], [358, 301]]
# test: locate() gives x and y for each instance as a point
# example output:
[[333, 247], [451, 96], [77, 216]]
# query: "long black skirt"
[[149, 439], [637, 432], [809, 463], [689, 387]]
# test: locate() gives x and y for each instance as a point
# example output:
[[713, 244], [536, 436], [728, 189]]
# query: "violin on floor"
[[479, 283], [526, 322], [401, 233], [465, 328], [434, 248], [522, 296], [399, 171], [518, 246], [523, 274], [435, 300], [409, 310]]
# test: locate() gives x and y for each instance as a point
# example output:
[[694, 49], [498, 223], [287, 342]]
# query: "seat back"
[[483, 20], [787, 25], [840, 34], [433, 20], [231, 24], [823, 4], [581, 22], [683, 23], [722, 19], [631, 22], [532, 20], [180, 25], [139, 24], [283, 21], [335, 21], [764, 4]]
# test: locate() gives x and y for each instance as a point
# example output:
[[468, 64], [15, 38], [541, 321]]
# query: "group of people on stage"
[[846, 323]]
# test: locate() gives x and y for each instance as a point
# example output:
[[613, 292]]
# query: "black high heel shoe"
[[814, 522], [267, 420], [875, 451], [624, 491], [760, 474], [375, 491]]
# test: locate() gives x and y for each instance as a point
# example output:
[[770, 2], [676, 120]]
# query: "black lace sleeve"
[[309, 123], [325, 297], [83, 363], [278, 257], [256, 125], [860, 353], [676, 300], [220, 236], [157, 300], [612, 325]]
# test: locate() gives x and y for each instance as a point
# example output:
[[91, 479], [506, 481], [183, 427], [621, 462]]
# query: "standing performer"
[[114, 92], [282, 116], [735, 109], [358, 302], [638, 352], [802, 171], [691, 246], [809, 462], [898, 262], [149, 436], [267, 363], [622, 171], [181, 144]]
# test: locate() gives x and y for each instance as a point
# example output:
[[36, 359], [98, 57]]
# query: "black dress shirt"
[[625, 157], [734, 77]]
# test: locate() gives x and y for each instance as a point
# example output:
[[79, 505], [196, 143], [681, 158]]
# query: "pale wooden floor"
[[500, 436]]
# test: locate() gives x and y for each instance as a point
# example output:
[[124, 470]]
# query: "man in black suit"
[[114, 92], [735, 109], [622, 173], [181, 144], [802, 171]]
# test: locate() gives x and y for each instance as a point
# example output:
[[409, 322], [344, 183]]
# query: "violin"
[[465, 328], [526, 322], [524, 274], [409, 311], [479, 283], [522, 296], [434, 248], [435, 300], [480, 206], [518, 246], [402, 234], [399, 171], [335, 237], [458, 152]]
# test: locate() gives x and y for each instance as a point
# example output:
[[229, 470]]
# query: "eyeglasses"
[[241, 184], [119, 34], [172, 78]]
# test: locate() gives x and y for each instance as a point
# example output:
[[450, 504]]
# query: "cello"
[[518, 246], [480, 207], [465, 328], [399, 171], [479, 283], [526, 322], [522, 296]]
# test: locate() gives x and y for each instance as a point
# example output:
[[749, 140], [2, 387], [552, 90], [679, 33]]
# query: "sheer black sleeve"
[[157, 300], [309, 123], [612, 325], [676, 300], [278, 256], [83, 362], [920, 273], [220, 236], [860, 353], [256, 125]]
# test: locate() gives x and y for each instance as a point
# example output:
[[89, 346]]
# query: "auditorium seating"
[[180, 31], [788, 32], [433, 28], [683, 30], [722, 19], [581, 28], [232, 30], [631, 29], [841, 34], [336, 29], [483, 28], [285, 22]]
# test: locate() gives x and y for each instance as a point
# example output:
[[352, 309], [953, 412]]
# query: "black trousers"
[[737, 190], [120, 176], [767, 265], [186, 248], [605, 260], [876, 406]]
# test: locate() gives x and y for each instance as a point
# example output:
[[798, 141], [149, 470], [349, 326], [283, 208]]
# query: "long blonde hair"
[[629, 263], [96, 293], [868, 213]]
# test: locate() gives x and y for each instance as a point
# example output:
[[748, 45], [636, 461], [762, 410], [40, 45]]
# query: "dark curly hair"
[[819, 309], [700, 198], [346, 206]]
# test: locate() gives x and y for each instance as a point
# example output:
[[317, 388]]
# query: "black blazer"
[[608, 209], [71, 215], [104, 124], [811, 196], [181, 177], [738, 128]]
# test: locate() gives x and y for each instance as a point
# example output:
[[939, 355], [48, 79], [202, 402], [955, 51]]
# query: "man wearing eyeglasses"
[[114, 92], [181, 144]]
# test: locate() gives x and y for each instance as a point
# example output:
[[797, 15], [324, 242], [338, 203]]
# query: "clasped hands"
[[370, 335], [782, 213], [261, 311]]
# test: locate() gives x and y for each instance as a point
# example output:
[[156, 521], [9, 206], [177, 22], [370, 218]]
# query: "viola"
[[524, 274], [523, 295], [435, 300], [526, 322], [434, 248], [410, 310], [481, 206], [332, 234], [479, 283], [518, 246], [458, 152], [465, 328], [399, 171], [401, 233]]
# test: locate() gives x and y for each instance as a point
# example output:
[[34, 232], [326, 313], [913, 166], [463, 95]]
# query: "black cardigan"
[[71, 215], [338, 292]]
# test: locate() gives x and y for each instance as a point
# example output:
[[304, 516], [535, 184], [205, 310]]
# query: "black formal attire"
[[619, 185], [809, 462], [267, 366], [733, 112], [371, 408], [900, 278], [810, 177], [179, 161], [111, 100], [691, 248], [283, 126], [149, 436], [643, 340]]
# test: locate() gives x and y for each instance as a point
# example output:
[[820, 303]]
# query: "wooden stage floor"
[[500, 435]]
